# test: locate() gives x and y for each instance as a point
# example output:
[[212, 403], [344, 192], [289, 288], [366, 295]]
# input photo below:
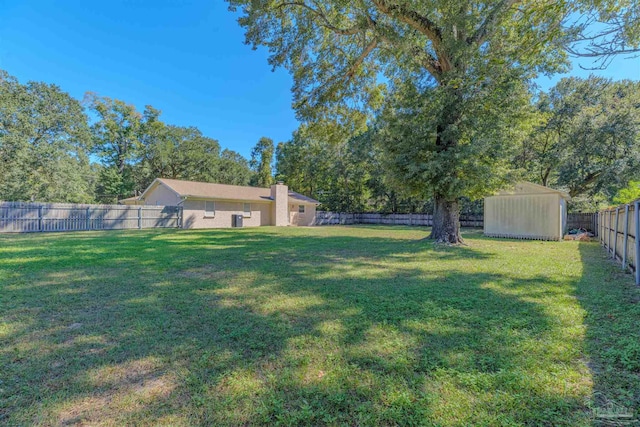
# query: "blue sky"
[[185, 57]]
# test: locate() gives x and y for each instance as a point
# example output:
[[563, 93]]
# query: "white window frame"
[[301, 209], [245, 213], [210, 213]]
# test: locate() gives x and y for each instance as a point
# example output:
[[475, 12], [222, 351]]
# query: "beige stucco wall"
[[529, 216], [306, 219], [194, 217], [279, 212], [161, 196], [280, 206]]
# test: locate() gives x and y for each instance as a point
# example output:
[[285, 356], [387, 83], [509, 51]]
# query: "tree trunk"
[[446, 221]]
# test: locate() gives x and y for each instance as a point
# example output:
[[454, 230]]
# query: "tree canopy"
[[586, 138], [261, 160], [442, 70], [51, 150], [44, 143]]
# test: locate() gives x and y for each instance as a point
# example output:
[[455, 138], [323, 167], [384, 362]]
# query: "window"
[[300, 208], [247, 210], [209, 209]]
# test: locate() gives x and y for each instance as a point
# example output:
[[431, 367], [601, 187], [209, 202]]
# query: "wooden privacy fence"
[[619, 235], [334, 218], [18, 217], [588, 221]]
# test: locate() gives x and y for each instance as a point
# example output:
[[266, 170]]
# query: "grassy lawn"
[[312, 326]]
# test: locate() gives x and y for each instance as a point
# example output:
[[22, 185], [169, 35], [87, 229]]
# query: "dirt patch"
[[131, 387]]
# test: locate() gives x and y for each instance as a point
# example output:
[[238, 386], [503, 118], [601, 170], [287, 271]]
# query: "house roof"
[[525, 187], [208, 190], [299, 198]]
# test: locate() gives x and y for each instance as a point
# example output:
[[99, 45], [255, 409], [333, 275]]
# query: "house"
[[208, 205], [527, 211]]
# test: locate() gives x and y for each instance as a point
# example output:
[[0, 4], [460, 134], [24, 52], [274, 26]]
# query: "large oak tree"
[[347, 57], [44, 144], [587, 137]]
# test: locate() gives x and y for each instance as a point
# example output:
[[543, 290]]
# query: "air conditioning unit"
[[236, 220]]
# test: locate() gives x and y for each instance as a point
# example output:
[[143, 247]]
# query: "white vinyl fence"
[[19, 217], [619, 235]]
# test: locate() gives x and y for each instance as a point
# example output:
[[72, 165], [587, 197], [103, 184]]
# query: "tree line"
[[583, 135], [56, 148]]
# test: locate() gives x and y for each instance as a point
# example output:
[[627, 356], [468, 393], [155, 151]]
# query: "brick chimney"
[[280, 208]]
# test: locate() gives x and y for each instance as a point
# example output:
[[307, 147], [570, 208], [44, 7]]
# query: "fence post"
[[88, 218], [601, 227], [615, 235], [636, 214], [40, 218], [605, 230], [599, 232], [610, 229], [625, 239], [139, 218]]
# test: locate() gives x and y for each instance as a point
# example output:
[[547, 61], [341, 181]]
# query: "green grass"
[[312, 326]]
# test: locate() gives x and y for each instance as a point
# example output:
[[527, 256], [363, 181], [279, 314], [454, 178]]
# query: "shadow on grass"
[[215, 328], [612, 305]]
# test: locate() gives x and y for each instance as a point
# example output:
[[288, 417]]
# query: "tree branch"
[[489, 23], [367, 50], [347, 75], [418, 22], [584, 185], [325, 21], [428, 62]]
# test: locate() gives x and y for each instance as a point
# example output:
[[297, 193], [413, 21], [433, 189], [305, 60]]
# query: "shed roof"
[[209, 190], [525, 187]]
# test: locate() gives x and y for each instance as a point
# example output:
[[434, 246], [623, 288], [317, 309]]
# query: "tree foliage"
[[116, 134], [178, 153], [261, 161], [486, 132], [136, 148], [442, 69], [586, 138], [628, 194], [234, 168], [605, 29], [50, 152], [345, 176], [44, 143], [450, 56]]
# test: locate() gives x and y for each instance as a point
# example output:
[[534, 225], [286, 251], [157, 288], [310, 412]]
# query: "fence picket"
[[589, 221], [636, 233], [19, 217], [625, 239], [629, 251]]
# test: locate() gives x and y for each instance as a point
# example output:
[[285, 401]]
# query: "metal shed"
[[527, 211]]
